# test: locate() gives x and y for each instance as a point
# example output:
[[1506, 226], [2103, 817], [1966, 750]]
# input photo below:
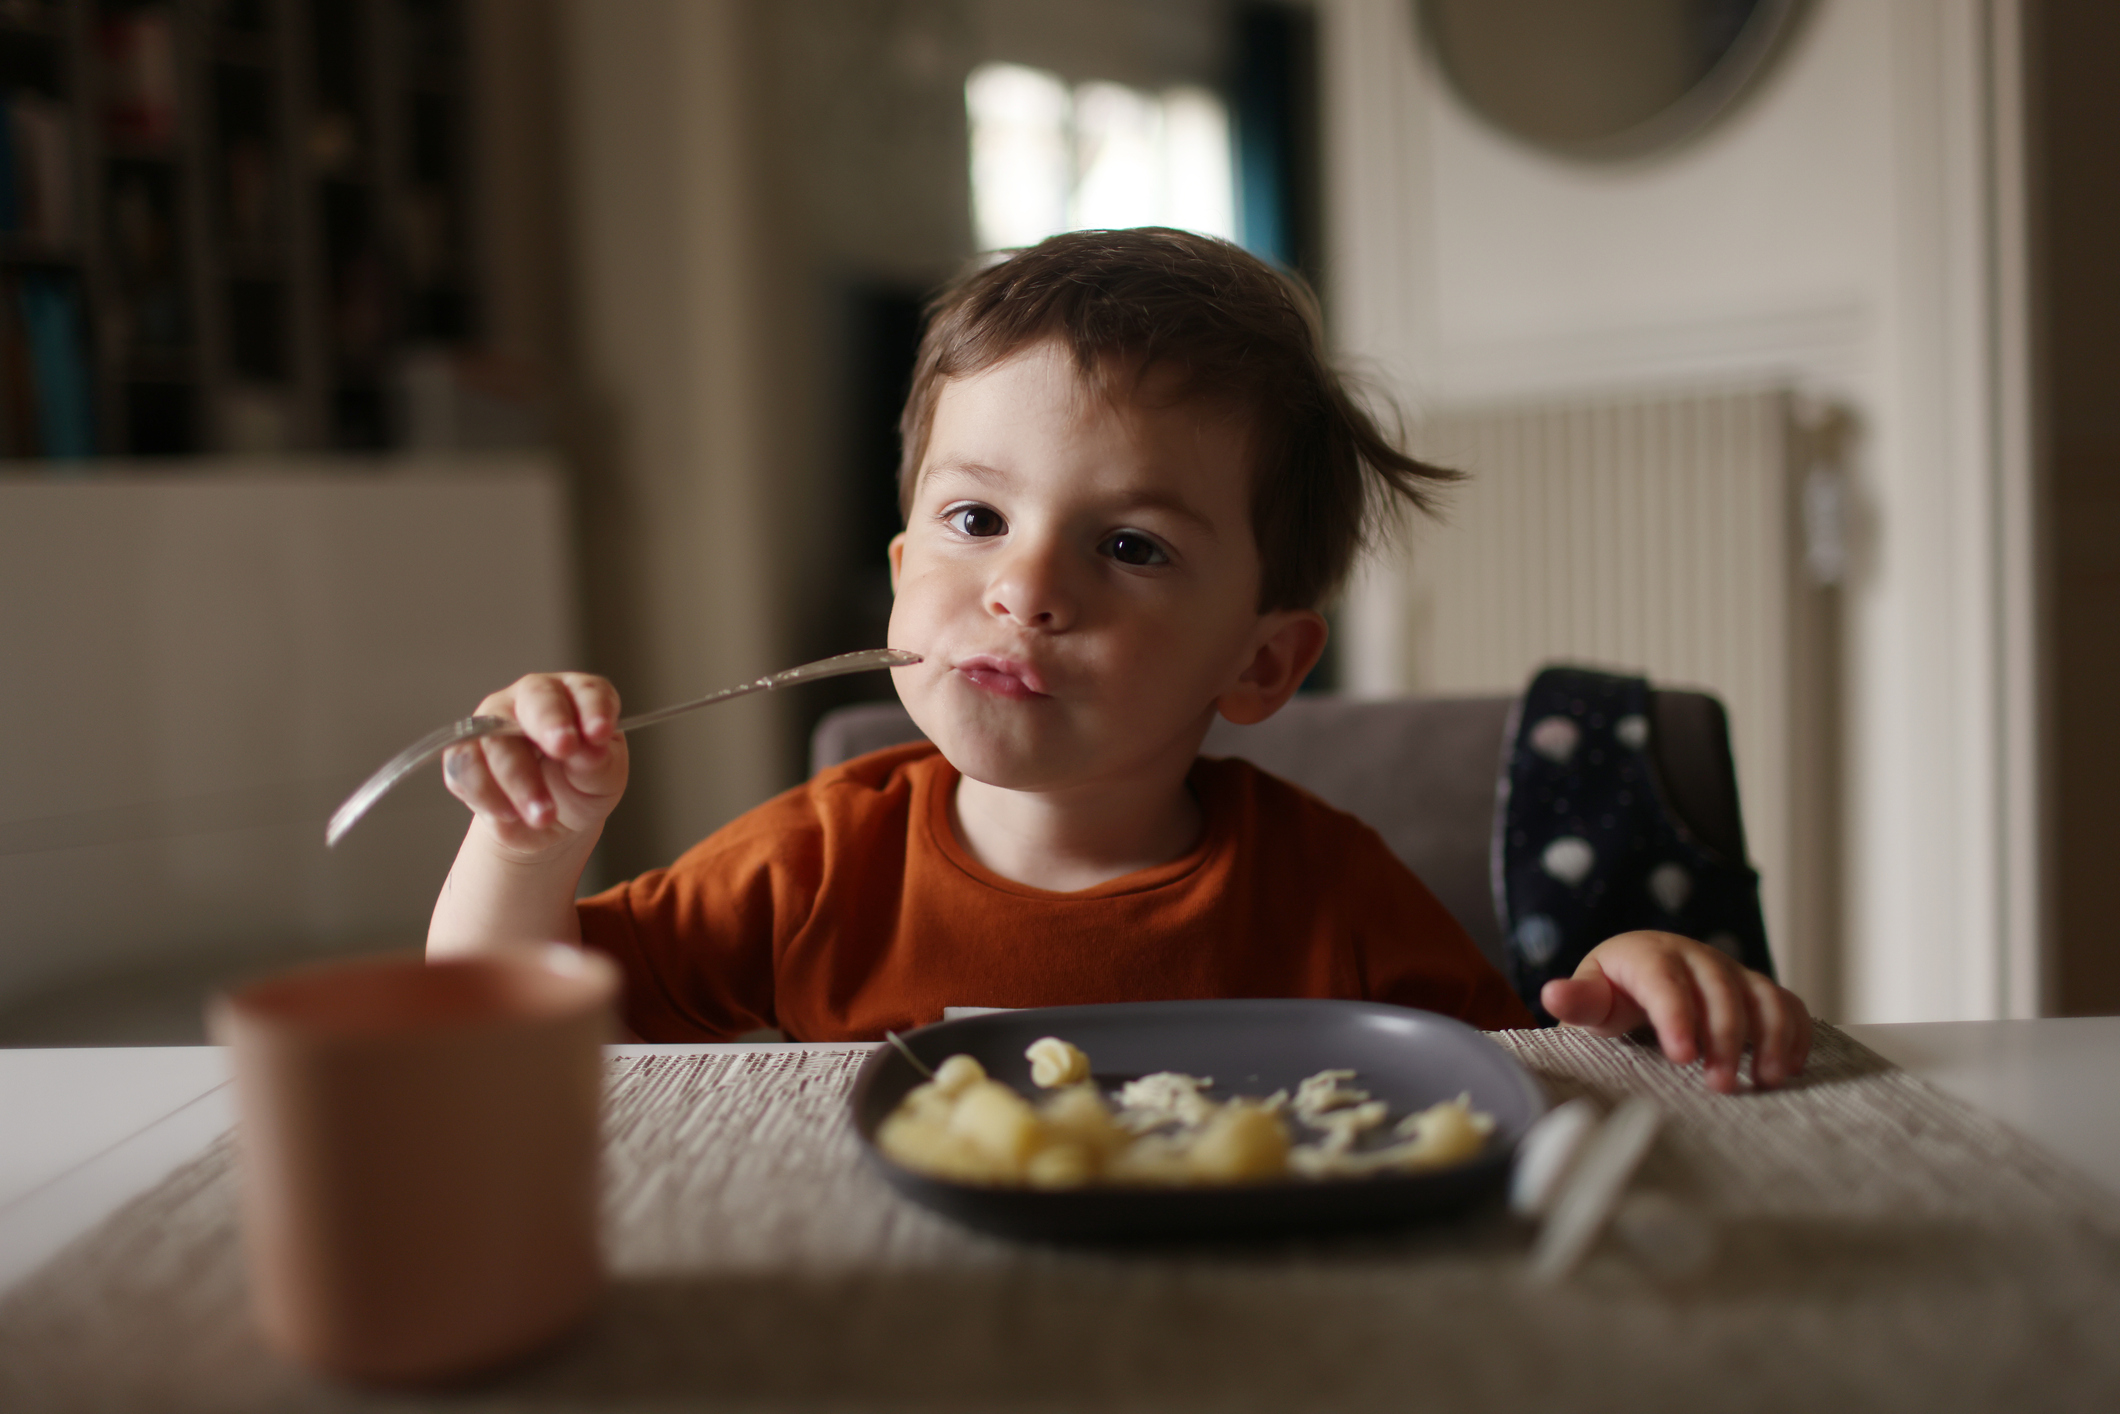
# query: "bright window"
[[1048, 158]]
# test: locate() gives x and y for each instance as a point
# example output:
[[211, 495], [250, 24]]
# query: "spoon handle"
[[431, 746]]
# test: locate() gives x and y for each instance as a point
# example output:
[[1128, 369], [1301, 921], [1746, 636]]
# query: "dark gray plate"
[[1411, 1059]]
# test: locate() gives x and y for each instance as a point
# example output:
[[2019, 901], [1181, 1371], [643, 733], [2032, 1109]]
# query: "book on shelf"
[[18, 394], [36, 170], [45, 397], [10, 208], [140, 75]]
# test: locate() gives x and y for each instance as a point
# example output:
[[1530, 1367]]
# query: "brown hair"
[[1240, 331]]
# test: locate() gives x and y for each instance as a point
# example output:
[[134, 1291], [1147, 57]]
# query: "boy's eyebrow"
[[973, 471], [1171, 505], [1139, 501]]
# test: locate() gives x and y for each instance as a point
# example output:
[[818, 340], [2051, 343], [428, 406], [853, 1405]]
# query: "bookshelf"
[[224, 222]]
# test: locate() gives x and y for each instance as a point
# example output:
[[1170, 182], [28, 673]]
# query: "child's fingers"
[[1585, 1001], [1782, 1039], [1664, 990], [545, 708], [519, 769], [595, 706], [1726, 1013], [464, 772], [550, 781], [595, 763], [1702, 1004], [1772, 1033]]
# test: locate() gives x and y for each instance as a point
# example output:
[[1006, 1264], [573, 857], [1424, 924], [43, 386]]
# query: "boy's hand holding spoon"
[[536, 792]]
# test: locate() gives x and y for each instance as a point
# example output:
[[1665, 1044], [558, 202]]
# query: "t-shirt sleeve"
[[1413, 951], [697, 941]]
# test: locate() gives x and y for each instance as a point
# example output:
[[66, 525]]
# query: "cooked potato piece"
[[1448, 1133], [997, 1122], [926, 1101], [1243, 1143], [1061, 1165], [926, 1144], [1154, 1160], [957, 1074], [1078, 1115], [1054, 1063]]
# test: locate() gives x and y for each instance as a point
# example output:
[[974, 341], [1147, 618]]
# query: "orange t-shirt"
[[848, 905]]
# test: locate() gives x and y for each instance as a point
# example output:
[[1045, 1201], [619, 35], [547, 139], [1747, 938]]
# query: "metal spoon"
[[907, 1051], [432, 745]]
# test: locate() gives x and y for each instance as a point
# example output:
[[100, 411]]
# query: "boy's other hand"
[[1703, 1005], [538, 792]]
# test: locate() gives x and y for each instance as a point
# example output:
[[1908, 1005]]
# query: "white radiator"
[[1659, 535]]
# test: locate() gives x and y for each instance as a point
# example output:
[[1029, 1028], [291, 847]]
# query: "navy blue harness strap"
[[1586, 844]]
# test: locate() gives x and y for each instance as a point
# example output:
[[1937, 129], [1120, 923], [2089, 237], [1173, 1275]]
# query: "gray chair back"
[[1420, 771]]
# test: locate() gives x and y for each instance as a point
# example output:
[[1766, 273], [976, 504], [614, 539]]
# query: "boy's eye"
[[1131, 547], [978, 521]]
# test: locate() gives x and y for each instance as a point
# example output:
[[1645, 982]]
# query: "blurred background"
[[357, 356]]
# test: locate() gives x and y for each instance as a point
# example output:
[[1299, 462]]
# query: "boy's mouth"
[[1002, 677]]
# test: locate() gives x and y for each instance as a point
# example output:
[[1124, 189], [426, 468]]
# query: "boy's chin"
[[1044, 746], [1004, 759], [1004, 765], [1041, 762]]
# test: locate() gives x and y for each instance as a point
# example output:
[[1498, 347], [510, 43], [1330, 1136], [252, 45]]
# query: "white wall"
[[196, 667], [688, 560], [1846, 230]]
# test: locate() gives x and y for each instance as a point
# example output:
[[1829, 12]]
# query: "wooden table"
[[83, 1130]]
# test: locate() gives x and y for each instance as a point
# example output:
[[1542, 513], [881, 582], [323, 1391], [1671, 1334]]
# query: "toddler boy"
[[1130, 478]]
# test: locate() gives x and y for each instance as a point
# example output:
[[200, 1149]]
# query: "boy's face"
[[1082, 579]]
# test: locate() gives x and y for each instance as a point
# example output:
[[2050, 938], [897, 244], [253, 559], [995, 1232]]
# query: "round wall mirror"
[[1603, 78]]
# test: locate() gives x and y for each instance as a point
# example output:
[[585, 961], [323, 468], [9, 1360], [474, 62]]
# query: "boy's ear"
[[897, 554], [1294, 641]]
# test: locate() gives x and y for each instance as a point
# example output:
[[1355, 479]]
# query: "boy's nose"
[[1031, 589]]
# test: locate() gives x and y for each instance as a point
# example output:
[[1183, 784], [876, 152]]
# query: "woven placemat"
[[1880, 1246]]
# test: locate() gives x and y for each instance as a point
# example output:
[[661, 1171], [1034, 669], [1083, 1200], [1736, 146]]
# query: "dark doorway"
[[878, 335], [2075, 124]]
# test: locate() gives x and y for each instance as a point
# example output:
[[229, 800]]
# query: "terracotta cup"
[[419, 1156]]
